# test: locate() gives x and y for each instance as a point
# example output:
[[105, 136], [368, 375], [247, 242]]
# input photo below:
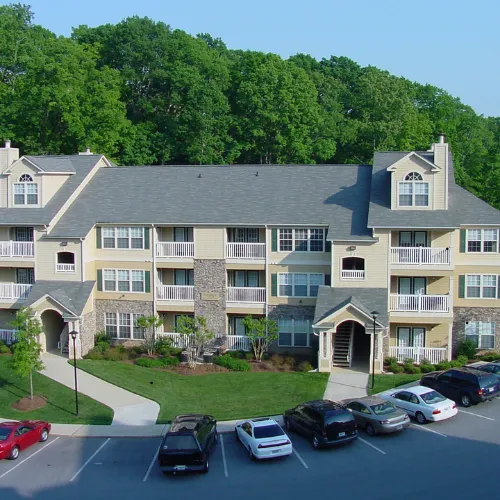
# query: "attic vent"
[[256, 174], [199, 176], [86, 152]]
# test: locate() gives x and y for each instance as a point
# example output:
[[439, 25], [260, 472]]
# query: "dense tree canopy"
[[143, 93]]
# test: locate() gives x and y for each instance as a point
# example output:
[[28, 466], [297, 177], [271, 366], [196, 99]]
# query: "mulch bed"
[[27, 404]]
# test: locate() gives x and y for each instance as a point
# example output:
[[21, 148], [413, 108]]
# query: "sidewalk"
[[129, 409], [344, 383]]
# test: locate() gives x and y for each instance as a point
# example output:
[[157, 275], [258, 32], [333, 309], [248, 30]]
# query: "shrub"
[[113, 355], [170, 361], [444, 365], [121, 348], [237, 365], [138, 349], [462, 360], [93, 355], [102, 336], [249, 356], [101, 346], [408, 361], [288, 363], [304, 366], [163, 345], [427, 368], [412, 369], [490, 357], [390, 360], [395, 368], [467, 348], [455, 364], [4, 349], [277, 360], [149, 362], [236, 354]]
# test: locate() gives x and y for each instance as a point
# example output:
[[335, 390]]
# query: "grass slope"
[[384, 382], [60, 407], [226, 396]]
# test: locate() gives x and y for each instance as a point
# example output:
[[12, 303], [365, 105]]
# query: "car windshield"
[[268, 431], [383, 408], [180, 442], [4, 433], [432, 397]]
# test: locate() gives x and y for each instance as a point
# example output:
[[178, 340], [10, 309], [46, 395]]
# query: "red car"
[[17, 436]]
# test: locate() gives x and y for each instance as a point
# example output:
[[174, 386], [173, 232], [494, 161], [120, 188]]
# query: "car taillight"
[[480, 392], [436, 412], [454, 406], [323, 432], [406, 417]]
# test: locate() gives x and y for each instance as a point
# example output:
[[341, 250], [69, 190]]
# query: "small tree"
[[149, 325], [262, 332], [27, 349], [198, 333]]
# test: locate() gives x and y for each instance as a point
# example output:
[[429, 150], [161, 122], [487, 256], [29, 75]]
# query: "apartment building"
[[90, 246]]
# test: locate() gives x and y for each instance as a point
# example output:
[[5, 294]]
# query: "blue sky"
[[453, 44]]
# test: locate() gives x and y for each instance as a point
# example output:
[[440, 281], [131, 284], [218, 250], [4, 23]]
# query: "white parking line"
[[424, 428], [155, 456], [373, 446], [89, 460], [223, 454], [300, 458], [476, 415], [27, 458]]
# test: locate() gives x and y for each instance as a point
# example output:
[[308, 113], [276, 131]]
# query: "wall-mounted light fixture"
[[351, 249], [64, 243]]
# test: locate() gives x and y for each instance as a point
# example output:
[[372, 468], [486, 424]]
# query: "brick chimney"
[[8, 156]]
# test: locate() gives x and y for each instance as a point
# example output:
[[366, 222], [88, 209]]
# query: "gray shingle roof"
[[81, 165], [73, 295], [366, 299], [333, 195]]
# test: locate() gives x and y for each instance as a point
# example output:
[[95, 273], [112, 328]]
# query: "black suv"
[[463, 385], [324, 422], [188, 443]]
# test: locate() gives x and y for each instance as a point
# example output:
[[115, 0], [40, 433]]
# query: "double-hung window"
[[299, 284], [123, 280], [26, 191], [482, 240], [411, 337], [301, 240], [413, 191], [294, 332], [123, 237], [482, 286], [482, 333], [123, 326]]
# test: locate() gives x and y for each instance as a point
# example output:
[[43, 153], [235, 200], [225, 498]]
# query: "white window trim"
[[308, 229], [481, 287], [293, 334], [480, 334], [115, 228], [133, 319], [411, 339], [25, 194], [481, 242], [308, 284], [56, 263], [413, 194], [130, 271]]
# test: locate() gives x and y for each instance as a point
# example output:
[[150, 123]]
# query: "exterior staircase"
[[342, 345], [63, 343]]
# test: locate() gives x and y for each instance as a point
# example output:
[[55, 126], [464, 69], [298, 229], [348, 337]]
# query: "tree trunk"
[[31, 385]]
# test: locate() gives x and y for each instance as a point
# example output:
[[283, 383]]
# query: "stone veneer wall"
[[87, 332], [463, 314], [210, 293]]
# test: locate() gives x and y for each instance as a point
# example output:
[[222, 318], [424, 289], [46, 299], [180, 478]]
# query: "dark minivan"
[[324, 422], [187, 445], [464, 385]]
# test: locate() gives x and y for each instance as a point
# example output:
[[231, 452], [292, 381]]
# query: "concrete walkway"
[[344, 383], [129, 409]]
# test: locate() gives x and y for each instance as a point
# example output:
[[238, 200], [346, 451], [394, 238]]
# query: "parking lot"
[[451, 459]]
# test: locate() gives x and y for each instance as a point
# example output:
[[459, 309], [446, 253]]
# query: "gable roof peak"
[[434, 167]]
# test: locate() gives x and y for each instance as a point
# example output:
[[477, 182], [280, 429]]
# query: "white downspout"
[[82, 261], [266, 269], [155, 272]]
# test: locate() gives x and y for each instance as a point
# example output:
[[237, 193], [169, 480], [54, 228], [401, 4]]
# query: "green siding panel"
[[274, 285], [98, 236], [147, 280], [463, 240], [99, 280], [274, 240], [461, 286], [146, 238]]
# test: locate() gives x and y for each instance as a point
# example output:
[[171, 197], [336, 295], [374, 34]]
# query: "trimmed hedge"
[[156, 362], [234, 364]]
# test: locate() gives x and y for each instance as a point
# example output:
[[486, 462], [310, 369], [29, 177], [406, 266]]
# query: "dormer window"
[[413, 191], [25, 191]]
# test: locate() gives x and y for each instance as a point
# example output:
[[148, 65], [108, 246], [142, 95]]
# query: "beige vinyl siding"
[[6, 317], [89, 254], [239, 310], [187, 308], [46, 258], [5, 233], [436, 335], [51, 184], [4, 182], [7, 275], [349, 314], [474, 258], [436, 285], [245, 267], [89, 306], [23, 167], [376, 261], [209, 242], [464, 270], [439, 190]]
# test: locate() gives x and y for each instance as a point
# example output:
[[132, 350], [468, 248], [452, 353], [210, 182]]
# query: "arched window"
[[353, 268], [65, 262], [26, 191], [413, 192]]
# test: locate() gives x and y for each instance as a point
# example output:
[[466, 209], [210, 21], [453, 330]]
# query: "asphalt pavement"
[[456, 458]]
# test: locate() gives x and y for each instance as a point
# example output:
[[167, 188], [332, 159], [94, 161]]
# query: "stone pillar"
[[210, 293]]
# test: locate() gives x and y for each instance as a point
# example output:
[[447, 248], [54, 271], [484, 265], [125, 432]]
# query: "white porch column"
[[450, 342], [325, 351], [74, 325]]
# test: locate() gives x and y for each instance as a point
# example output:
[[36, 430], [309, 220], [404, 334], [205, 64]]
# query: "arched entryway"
[[53, 325], [351, 346]]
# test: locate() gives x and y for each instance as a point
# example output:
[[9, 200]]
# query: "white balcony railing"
[[420, 303], [177, 339], [256, 295], [420, 256], [238, 343], [65, 268], [175, 292], [433, 354], [246, 250], [17, 249], [7, 336], [352, 274], [175, 249], [14, 291]]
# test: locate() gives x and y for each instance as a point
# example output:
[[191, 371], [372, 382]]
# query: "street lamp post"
[[374, 316], [74, 334]]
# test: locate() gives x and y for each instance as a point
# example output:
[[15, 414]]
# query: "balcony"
[[178, 340], [17, 249], [420, 303], [7, 336], [352, 274], [433, 354], [252, 251], [418, 256], [254, 295], [177, 293], [65, 268], [176, 249], [238, 343], [14, 291]]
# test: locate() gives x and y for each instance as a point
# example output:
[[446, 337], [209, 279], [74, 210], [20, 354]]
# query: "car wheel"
[[205, 467], [420, 418], [14, 453], [315, 442], [370, 430], [250, 454], [44, 435], [237, 436], [465, 400]]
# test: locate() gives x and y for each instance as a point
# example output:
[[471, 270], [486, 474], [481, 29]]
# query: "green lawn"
[[61, 400], [384, 382], [226, 396]]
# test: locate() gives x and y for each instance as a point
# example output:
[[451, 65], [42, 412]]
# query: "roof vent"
[[256, 174], [7, 144], [199, 176], [442, 138], [86, 152]]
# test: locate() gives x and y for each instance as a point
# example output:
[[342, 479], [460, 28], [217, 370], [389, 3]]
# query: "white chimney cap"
[[86, 152], [442, 138], [7, 144]]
